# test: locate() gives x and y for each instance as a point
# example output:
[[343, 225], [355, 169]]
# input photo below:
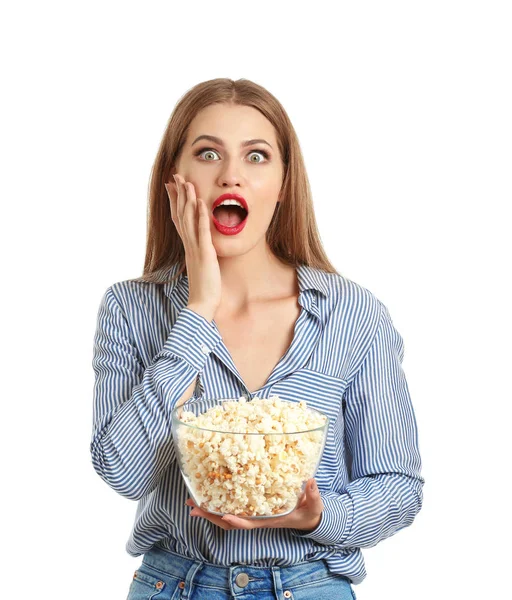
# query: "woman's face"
[[222, 166]]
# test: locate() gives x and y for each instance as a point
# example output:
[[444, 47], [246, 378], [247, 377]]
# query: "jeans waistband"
[[237, 578]]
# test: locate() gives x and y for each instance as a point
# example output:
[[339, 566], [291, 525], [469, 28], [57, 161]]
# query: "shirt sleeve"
[[131, 442], [385, 493]]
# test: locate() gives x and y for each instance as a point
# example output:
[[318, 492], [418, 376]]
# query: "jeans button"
[[242, 579]]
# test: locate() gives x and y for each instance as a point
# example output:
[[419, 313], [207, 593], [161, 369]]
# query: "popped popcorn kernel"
[[256, 460]]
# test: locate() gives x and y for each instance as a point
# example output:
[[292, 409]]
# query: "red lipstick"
[[223, 228]]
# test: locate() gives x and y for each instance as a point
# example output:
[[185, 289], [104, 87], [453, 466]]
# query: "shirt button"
[[204, 349], [242, 580]]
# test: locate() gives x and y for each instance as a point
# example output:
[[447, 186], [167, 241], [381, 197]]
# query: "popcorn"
[[256, 460]]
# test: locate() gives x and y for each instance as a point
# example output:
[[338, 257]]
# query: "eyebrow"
[[218, 141]]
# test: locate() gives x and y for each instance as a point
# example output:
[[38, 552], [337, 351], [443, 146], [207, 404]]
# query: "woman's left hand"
[[306, 516]]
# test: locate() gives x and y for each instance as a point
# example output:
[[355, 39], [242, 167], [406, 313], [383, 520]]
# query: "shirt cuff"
[[192, 338], [335, 522]]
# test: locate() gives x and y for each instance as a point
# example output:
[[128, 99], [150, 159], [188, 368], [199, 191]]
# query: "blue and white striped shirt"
[[345, 360]]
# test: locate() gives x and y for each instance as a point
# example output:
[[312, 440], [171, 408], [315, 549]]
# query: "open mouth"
[[230, 216]]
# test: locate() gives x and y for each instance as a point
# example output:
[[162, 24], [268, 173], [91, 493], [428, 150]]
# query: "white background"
[[403, 112]]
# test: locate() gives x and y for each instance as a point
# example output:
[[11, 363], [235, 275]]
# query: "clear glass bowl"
[[253, 475]]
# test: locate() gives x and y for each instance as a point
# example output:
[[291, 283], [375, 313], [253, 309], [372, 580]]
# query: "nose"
[[230, 174]]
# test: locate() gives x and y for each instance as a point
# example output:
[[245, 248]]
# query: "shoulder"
[[362, 319], [132, 294], [346, 296], [145, 288]]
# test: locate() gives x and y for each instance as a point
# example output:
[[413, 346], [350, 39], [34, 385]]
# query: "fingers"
[[227, 522], [238, 522], [204, 232], [188, 212], [180, 197], [189, 218], [303, 500], [197, 512], [173, 193]]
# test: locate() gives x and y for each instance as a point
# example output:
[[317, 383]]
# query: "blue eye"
[[202, 150]]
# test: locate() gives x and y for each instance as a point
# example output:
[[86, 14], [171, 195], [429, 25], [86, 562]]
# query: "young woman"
[[242, 300]]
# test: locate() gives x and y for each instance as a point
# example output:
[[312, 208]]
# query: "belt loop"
[[276, 574], [231, 569], [189, 579]]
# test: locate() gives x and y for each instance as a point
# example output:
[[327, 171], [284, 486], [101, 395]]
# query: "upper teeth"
[[231, 203]]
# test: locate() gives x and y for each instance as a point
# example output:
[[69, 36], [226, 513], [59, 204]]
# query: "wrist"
[[205, 311]]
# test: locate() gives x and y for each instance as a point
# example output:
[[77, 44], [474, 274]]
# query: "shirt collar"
[[309, 279], [312, 279]]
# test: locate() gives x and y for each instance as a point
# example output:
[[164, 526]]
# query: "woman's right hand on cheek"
[[192, 221]]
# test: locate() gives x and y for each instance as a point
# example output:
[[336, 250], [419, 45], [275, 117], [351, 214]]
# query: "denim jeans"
[[165, 575]]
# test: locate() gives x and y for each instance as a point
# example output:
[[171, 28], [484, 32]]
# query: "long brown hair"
[[292, 234]]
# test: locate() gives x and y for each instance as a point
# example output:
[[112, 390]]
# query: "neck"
[[254, 277]]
